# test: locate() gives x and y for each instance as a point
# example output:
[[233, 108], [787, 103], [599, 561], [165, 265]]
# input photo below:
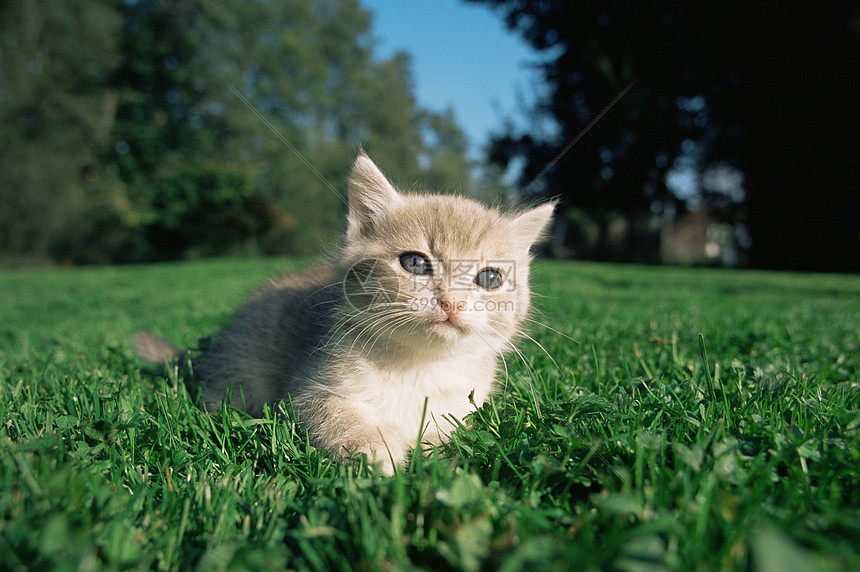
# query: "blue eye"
[[415, 263], [489, 279]]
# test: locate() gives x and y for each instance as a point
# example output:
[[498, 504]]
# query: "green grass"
[[683, 419]]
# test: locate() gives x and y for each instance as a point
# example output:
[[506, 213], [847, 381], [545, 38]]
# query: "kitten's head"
[[430, 272]]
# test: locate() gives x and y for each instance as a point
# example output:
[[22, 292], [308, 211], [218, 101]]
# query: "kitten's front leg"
[[340, 428]]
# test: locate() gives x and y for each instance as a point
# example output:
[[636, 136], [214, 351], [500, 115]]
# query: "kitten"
[[425, 295]]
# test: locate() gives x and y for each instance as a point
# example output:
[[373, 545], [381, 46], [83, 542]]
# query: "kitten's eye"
[[489, 278], [415, 263]]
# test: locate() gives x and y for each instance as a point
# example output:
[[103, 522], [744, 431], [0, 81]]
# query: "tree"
[[747, 85], [55, 112], [171, 128], [307, 68]]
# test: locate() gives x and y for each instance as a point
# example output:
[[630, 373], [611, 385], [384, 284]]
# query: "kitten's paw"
[[384, 460], [386, 467], [385, 455], [379, 463]]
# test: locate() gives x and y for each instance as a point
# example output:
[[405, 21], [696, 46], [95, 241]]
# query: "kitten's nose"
[[449, 305]]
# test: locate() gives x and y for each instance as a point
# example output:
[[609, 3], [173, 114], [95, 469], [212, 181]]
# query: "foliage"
[[54, 114], [205, 208], [107, 106], [745, 87], [679, 419]]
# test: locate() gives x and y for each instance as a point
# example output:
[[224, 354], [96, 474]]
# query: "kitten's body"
[[360, 345]]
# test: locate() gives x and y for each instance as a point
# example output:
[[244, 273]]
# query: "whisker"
[[538, 344], [553, 330]]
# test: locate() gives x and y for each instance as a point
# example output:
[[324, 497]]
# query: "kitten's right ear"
[[370, 194]]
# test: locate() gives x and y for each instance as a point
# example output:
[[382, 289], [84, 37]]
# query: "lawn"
[[674, 419]]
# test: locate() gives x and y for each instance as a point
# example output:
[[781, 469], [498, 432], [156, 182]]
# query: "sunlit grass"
[[679, 419]]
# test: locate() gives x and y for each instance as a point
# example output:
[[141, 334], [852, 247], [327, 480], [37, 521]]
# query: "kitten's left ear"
[[529, 226], [370, 194]]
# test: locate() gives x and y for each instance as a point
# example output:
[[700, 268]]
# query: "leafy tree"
[[151, 129], [55, 112], [749, 85], [445, 153], [305, 76]]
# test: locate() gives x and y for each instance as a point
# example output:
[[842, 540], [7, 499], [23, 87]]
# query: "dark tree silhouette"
[[769, 89]]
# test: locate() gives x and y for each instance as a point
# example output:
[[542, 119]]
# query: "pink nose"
[[450, 306]]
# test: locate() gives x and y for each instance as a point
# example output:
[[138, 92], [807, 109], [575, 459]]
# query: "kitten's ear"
[[370, 194], [529, 226]]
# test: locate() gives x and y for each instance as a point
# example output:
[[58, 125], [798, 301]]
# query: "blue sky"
[[463, 57]]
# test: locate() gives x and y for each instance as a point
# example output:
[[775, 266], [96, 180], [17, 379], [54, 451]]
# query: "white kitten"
[[426, 294]]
